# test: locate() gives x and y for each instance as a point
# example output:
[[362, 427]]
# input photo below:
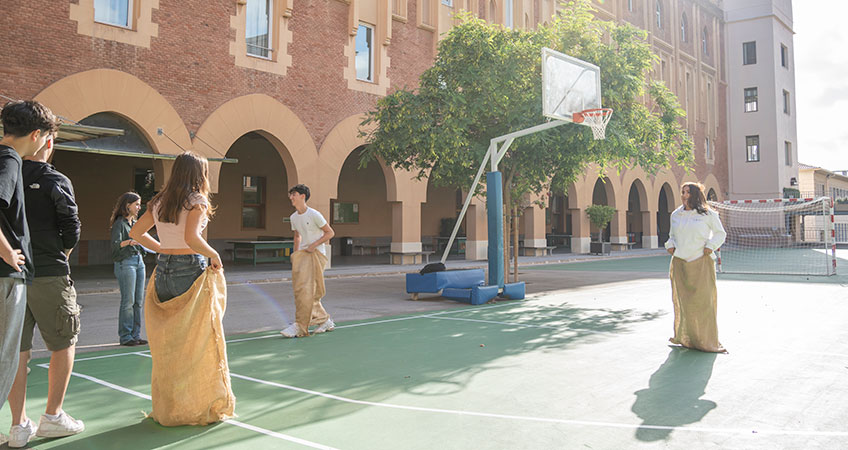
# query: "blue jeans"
[[176, 273], [12, 310], [130, 274]]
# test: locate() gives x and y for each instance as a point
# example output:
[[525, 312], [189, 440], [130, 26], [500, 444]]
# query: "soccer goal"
[[779, 236]]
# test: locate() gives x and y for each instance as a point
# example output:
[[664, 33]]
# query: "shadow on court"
[[438, 356], [145, 434], [673, 397]]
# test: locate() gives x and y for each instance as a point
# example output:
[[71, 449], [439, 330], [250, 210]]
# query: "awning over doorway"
[[72, 137]]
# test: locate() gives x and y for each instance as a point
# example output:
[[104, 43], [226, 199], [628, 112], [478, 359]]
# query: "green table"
[[281, 251]]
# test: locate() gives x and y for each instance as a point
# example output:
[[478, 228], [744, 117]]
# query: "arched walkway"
[[83, 94], [274, 121], [403, 191]]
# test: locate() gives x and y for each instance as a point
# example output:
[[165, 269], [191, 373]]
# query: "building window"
[[684, 24], [784, 56], [448, 3], [258, 29], [365, 53], [751, 100], [749, 53], [630, 5], [508, 13], [752, 144], [253, 202], [114, 12], [786, 103], [708, 149], [787, 149], [659, 15], [705, 43]]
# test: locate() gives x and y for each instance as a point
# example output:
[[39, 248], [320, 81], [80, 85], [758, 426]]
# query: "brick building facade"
[[178, 75]]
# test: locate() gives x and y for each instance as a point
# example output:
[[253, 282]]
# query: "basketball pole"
[[494, 200]]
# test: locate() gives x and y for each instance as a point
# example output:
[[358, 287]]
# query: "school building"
[[281, 86]]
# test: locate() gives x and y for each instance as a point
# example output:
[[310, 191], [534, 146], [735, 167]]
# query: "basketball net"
[[596, 119]]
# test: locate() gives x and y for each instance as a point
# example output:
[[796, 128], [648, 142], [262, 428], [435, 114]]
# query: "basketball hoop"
[[596, 119]]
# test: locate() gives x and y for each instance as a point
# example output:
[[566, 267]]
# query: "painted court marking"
[[237, 423], [744, 431], [462, 412]]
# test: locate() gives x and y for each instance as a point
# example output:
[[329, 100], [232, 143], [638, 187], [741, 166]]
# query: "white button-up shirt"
[[691, 232]]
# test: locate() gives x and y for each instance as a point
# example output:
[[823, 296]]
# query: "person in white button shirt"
[[696, 232], [311, 233]]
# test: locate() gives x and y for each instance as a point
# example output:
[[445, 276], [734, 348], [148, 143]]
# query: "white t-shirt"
[[308, 225], [691, 232]]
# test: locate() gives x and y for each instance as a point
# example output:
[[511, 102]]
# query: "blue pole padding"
[[494, 202]]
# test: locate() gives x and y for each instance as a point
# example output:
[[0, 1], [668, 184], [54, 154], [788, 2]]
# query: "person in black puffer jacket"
[[51, 299]]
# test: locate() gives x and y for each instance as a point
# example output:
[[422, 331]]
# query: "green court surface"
[[748, 262], [580, 368]]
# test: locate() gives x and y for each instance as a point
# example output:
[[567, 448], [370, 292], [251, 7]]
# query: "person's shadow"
[[673, 395]]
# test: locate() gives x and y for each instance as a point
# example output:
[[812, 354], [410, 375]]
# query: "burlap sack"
[[694, 296], [308, 283], [190, 382]]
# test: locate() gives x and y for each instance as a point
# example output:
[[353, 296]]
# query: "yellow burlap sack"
[[308, 283], [190, 382], [694, 296]]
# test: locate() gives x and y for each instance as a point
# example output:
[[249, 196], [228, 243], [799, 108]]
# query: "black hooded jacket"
[[51, 210]]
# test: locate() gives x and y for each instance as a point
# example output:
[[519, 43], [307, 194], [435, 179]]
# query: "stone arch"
[[82, 94], [404, 192], [627, 180], [266, 116], [342, 140], [711, 182], [660, 179]]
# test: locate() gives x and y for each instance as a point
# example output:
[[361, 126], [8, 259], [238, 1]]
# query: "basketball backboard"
[[569, 85]]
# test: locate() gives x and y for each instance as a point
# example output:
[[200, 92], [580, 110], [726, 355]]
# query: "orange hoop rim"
[[579, 117]]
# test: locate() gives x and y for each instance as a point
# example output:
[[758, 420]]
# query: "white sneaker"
[[64, 425], [19, 435], [290, 331], [326, 326]]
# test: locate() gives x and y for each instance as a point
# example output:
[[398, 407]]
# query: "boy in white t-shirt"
[[311, 233]]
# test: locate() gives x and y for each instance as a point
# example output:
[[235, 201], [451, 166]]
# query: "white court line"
[[502, 323], [237, 423], [545, 419], [375, 322], [91, 358]]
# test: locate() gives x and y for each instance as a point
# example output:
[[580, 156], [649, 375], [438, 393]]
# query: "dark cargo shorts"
[[52, 305]]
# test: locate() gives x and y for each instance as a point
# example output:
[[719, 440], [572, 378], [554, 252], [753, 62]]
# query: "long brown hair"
[[189, 175], [122, 207], [697, 199]]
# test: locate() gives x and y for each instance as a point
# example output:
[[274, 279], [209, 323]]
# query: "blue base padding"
[[458, 294], [482, 294], [513, 291], [476, 295], [436, 281]]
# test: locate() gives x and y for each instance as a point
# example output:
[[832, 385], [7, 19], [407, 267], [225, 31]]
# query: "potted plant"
[[600, 216]]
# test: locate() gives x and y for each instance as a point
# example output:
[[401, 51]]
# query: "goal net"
[[780, 236]]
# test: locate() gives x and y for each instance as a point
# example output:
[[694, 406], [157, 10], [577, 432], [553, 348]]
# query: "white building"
[[762, 133]]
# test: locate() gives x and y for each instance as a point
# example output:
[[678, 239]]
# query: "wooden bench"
[[620, 246], [282, 251], [375, 246], [424, 256]]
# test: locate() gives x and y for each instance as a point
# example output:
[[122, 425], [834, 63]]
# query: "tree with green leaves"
[[486, 82]]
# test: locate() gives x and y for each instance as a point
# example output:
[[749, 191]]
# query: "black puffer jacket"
[[52, 216]]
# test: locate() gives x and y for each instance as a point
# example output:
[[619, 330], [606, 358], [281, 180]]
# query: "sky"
[[821, 82]]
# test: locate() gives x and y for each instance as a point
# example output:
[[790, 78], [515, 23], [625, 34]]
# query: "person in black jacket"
[[26, 127], [51, 299]]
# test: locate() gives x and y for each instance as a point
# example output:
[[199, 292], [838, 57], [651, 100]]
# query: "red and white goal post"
[[782, 236]]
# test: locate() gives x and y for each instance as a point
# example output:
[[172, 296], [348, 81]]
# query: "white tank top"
[[172, 235]]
